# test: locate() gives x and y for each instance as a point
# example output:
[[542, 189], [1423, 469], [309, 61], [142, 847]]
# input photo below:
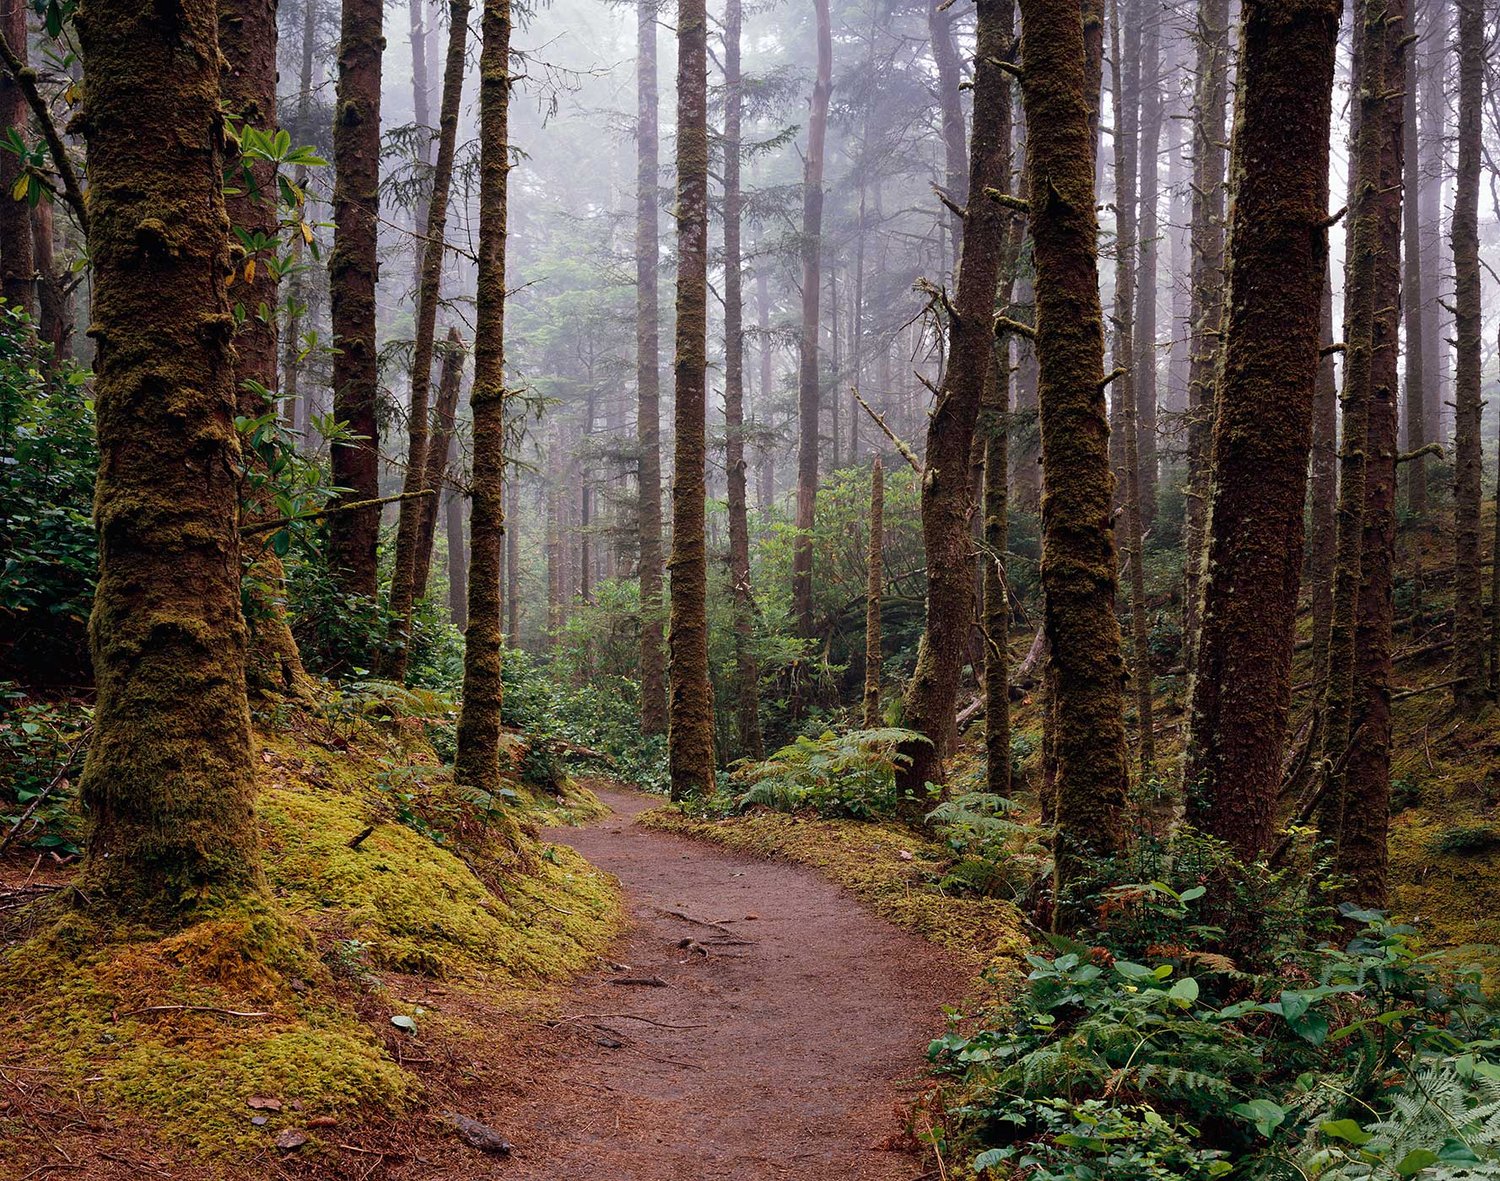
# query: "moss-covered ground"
[[275, 1015]]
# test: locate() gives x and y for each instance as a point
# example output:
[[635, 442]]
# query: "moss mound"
[[886, 866], [374, 862]]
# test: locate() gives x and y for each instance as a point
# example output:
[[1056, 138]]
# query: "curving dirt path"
[[786, 1056]]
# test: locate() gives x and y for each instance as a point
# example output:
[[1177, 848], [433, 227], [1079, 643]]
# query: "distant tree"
[[875, 566], [17, 261], [690, 728], [169, 784], [352, 269], [438, 454]]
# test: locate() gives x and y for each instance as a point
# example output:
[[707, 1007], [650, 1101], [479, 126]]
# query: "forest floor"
[[779, 1035]]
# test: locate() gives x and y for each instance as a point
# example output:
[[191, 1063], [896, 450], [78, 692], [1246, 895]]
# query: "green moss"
[[867, 860]]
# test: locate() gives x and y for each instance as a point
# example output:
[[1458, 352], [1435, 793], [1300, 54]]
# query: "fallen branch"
[[642, 981], [1403, 694], [628, 1017], [194, 1009], [687, 918], [41, 798], [332, 510]]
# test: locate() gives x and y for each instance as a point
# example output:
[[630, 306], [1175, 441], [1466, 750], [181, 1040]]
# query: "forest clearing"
[[903, 589]]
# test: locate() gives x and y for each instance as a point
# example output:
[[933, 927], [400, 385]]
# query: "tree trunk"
[[950, 106], [247, 39], [1144, 352], [54, 304], [477, 761], [1078, 551], [947, 496], [17, 261], [1125, 77], [294, 409], [690, 730], [1414, 472], [429, 290], [747, 667], [1468, 606], [996, 596], [808, 396], [1209, 136], [352, 270], [1366, 787], [169, 784], [513, 561], [648, 379], [1431, 146], [1324, 494], [875, 589], [437, 459], [458, 562], [1263, 429], [1126, 368]]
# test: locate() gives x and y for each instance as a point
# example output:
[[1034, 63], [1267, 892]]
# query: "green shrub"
[[850, 774], [1465, 839]]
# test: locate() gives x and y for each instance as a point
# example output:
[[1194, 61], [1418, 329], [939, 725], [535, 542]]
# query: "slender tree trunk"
[[247, 40], [169, 784], [1263, 430], [513, 562], [1366, 787], [947, 495], [1468, 606], [747, 667], [1414, 472], [1324, 494], [1432, 100], [17, 262], [429, 291], [437, 459], [1144, 352], [1126, 368], [1209, 137], [875, 590], [352, 270], [458, 562], [477, 761], [950, 107], [808, 394], [996, 597], [648, 379], [1078, 550], [54, 304], [690, 731], [294, 410], [1125, 76]]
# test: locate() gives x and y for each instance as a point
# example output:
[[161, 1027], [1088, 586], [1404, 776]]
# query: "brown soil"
[[793, 1054], [784, 1043]]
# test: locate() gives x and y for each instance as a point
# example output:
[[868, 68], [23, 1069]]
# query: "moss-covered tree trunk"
[[293, 401], [17, 259], [1468, 606], [1366, 786], [477, 761], [352, 270], [947, 492], [1414, 472], [747, 667], [1125, 93], [690, 705], [169, 782], [438, 453], [1148, 239], [1262, 433], [809, 399], [648, 376], [513, 560], [458, 560], [1078, 549], [247, 39], [874, 592], [429, 290], [1207, 305], [1323, 488]]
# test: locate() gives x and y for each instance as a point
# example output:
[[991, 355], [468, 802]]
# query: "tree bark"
[[429, 291], [247, 40], [458, 563], [17, 262], [1414, 472], [169, 783], [951, 112], [1324, 492], [1078, 573], [947, 492], [352, 271], [690, 727], [294, 406], [1468, 606], [438, 453], [875, 590], [996, 417], [1146, 236], [648, 379], [477, 761], [747, 667], [808, 394], [1262, 433]]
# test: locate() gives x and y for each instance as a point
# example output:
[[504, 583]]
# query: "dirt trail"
[[786, 1057]]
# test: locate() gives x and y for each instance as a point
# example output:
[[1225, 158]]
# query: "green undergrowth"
[[377, 866], [891, 868]]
